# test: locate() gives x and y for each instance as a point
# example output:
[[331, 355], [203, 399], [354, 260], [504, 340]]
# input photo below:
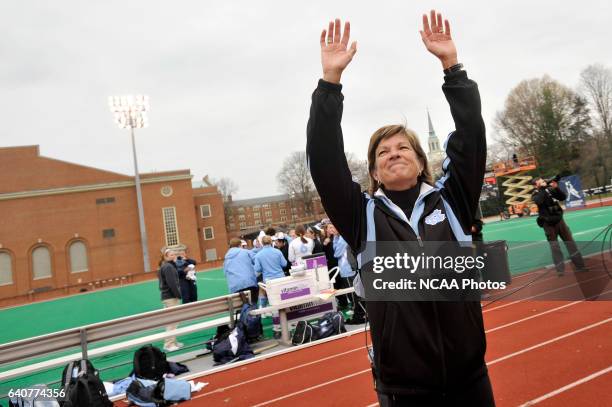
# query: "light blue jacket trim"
[[454, 224]]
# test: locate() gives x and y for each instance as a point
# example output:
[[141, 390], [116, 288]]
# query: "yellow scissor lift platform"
[[518, 185]]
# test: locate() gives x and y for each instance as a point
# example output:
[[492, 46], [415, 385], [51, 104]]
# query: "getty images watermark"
[[456, 271], [433, 271], [456, 264]]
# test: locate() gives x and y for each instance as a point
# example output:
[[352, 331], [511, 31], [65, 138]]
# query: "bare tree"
[[226, 186], [596, 86], [497, 152], [545, 119], [294, 179], [359, 170]]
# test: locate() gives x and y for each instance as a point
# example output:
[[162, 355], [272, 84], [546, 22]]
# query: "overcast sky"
[[229, 81]]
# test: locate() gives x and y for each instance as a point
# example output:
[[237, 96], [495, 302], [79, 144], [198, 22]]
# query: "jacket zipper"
[[420, 241]]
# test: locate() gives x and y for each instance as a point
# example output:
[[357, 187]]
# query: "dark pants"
[[341, 283], [356, 301], [561, 230], [189, 290], [478, 394], [254, 293], [358, 307]]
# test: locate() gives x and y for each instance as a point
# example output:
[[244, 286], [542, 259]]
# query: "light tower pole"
[[130, 113]]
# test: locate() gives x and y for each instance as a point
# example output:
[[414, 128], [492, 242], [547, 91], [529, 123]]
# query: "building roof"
[[26, 171], [261, 200]]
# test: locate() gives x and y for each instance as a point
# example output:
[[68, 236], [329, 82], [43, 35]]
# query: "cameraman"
[[547, 196]]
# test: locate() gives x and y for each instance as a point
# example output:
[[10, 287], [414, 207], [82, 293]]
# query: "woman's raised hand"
[[437, 39], [335, 53]]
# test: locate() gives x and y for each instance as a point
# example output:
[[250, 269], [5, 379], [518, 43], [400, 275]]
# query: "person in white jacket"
[[300, 246]]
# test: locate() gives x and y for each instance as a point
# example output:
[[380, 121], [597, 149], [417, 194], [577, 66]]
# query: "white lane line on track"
[[313, 387], [555, 339], [539, 345], [518, 321], [222, 389], [543, 313], [541, 294], [372, 405], [567, 387]]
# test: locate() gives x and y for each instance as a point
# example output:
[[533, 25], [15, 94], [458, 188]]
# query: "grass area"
[[96, 306], [528, 247]]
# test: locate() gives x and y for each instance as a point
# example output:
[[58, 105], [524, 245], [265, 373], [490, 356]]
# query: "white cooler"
[[286, 289]]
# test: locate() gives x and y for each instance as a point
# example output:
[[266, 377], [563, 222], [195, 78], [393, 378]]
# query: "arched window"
[[41, 263], [6, 268], [78, 257]]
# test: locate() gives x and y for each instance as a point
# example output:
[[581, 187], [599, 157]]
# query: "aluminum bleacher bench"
[[87, 335]]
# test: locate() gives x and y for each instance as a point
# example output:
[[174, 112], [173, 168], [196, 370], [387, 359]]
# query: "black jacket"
[[169, 286], [285, 251], [549, 210], [328, 249], [419, 347]]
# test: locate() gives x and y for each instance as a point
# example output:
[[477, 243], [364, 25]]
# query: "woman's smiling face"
[[397, 165]]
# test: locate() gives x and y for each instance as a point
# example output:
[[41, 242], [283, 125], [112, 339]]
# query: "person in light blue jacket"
[[347, 274], [270, 262], [239, 271], [340, 253]]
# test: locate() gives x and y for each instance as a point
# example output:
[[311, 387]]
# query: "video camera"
[[555, 178]]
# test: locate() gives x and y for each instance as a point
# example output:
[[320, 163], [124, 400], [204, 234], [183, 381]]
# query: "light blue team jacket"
[[270, 262], [238, 269]]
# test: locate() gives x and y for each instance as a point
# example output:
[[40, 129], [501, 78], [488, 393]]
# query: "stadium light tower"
[[130, 112]]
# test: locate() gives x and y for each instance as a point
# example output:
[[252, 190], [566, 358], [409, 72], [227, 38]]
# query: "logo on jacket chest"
[[435, 217]]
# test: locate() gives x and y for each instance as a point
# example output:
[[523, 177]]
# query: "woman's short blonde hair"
[[387, 132]]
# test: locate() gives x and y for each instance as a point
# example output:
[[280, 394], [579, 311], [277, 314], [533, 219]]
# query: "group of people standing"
[[273, 253]]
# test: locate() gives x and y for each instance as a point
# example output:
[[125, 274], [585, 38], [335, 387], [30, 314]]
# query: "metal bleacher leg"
[[282, 314]]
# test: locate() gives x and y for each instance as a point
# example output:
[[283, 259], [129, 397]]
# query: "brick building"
[[251, 215], [210, 217], [66, 227]]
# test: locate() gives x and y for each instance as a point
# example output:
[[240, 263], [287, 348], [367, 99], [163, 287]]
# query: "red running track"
[[550, 353]]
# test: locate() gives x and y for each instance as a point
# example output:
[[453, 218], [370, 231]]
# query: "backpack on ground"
[[330, 324], [36, 399], [251, 323], [231, 346], [150, 363], [302, 333], [221, 330], [146, 393], [82, 386]]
